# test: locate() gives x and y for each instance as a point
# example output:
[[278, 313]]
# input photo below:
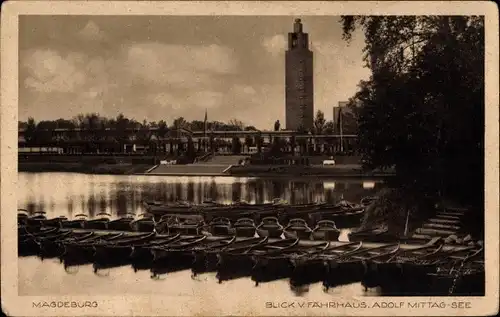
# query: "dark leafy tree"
[[277, 125], [236, 145], [422, 110], [319, 122]]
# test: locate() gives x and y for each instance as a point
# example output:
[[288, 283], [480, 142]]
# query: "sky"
[[164, 67]]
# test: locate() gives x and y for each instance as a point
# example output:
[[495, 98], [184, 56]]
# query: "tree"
[[144, 134], [190, 152], [277, 125], [293, 143], [236, 124], [438, 62], [30, 132], [250, 128], [258, 141], [319, 122], [248, 141], [236, 146], [162, 129]]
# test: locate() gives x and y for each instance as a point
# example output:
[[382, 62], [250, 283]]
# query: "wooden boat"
[[82, 251], [206, 246], [177, 255], [372, 235], [186, 225], [100, 222], [232, 214], [31, 245], [342, 218], [78, 222], [220, 227], [145, 223], [141, 255], [22, 217], [55, 248], [235, 263], [270, 227], [159, 208], [205, 260], [325, 230], [311, 269], [352, 267], [36, 219], [297, 228], [406, 266], [277, 265], [54, 222], [25, 232], [244, 227], [122, 223], [117, 252], [459, 272]]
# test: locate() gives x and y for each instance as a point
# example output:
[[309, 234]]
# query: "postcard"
[[249, 158]]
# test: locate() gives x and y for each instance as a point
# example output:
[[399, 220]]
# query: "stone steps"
[[440, 226]]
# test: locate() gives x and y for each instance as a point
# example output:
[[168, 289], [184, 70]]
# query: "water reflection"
[[123, 281], [69, 194]]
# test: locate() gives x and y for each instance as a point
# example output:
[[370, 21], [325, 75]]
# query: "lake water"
[[69, 194]]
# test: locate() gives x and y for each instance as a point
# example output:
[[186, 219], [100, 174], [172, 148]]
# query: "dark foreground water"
[[68, 194]]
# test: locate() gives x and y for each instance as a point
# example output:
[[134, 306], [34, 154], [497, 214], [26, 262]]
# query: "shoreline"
[[142, 169]]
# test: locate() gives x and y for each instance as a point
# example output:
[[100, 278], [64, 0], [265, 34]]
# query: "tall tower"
[[299, 94]]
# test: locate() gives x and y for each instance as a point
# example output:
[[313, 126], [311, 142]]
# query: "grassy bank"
[[391, 210], [393, 206], [84, 168], [351, 170]]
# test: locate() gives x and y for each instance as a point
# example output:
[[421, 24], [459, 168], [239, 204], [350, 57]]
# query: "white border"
[[13, 304]]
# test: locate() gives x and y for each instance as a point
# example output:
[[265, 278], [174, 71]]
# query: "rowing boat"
[[22, 217], [78, 222], [297, 228], [36, 219], [245, 227], [373, 235], [55, 248], [177, 255], [206, 260], [82, 251], [220, 226], [145, 223], [141, 255], [311, 269], [122, 223], [403, 268], [99, 222], [186, 225], [31, 245], [352, 267], [238, 262], [117, 252], [276, 265], [270, 227], [325, 230]]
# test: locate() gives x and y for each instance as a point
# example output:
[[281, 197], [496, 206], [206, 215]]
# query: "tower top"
[[297, 26]]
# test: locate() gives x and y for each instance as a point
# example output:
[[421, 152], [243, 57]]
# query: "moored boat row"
[[261, 258]]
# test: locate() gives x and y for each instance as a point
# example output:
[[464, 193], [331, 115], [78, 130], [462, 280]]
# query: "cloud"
[[49, 71], [178, 65], [92, 32], [276, 45]]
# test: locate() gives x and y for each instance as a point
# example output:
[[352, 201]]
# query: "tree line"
[[422, 109], [96, 125]]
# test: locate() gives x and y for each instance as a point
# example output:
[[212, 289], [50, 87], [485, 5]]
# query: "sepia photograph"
[[260, 162]]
